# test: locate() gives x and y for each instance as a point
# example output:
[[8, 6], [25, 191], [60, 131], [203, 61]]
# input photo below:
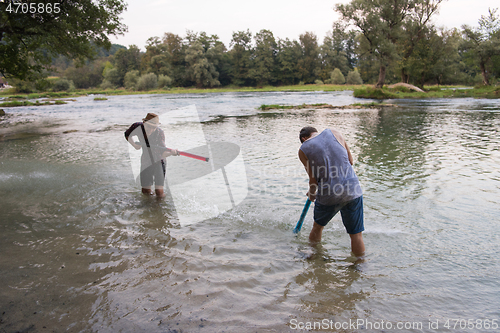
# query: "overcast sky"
[[284, 18]]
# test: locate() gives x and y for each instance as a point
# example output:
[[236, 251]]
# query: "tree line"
[[374, 42]]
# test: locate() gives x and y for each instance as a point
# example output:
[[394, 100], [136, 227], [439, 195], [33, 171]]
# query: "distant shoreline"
[[10, 99]]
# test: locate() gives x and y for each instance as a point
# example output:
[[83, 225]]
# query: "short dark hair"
[[306, 132]]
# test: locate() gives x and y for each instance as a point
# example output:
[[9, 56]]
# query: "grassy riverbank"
[[430, 92], [362, 91]]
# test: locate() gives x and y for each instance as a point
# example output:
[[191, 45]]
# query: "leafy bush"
[[164, 81], [63, 85], [147, 82], [130, 80], [21, 86], [353, 77], [336, 77], [113, 75], [107, 85], [318, 82], [86, 76]]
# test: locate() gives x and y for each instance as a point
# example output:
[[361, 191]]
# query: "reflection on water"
[[83, 250]]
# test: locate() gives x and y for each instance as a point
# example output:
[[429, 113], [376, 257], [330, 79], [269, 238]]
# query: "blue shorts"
[[351, 211]]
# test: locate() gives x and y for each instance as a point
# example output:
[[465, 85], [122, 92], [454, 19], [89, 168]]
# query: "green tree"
[[241, 57], [147, 82], [484, 41], [333, 56], [309, 64], [89, 75], [29, 41], [337, 77], [353, 77], [126, 60], [381, 23], [130, 80], [157, 58], [177, 50], [289, 53], [200, 70], [264, 63], [415, 28]]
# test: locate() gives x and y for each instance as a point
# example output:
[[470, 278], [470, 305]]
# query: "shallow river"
[[83, 250]]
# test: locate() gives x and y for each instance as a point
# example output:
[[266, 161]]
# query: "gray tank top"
[[337, 181]]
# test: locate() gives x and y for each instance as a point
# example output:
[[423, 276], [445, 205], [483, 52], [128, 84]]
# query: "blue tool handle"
[[302, 217]]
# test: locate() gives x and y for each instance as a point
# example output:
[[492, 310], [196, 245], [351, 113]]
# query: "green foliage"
[[289, 53], [164, 81], [201, 71], [63, 85], [28, 42], [22, 86], [264, 60], [374, 93], [336, 77], [309, 63], [130, 80], [147, 82], [385, 25], [240, 56], [353, 77], [126, 60], [86, 76], [318, 82], [484, 41], [113, 76], [107, 85]]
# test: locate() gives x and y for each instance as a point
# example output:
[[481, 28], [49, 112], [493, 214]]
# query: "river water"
[[83, 250]]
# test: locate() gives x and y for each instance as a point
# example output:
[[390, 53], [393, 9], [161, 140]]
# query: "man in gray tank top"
[[333, 184]]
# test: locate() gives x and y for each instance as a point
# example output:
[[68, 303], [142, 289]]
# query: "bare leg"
[[147, 190], [357, 244], [316, 232], [159, 192]]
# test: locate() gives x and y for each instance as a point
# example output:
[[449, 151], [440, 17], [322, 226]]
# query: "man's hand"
[[311, 197]]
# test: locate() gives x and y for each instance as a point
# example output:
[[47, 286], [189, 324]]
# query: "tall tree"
[[333, 56], [29, 40], [200, 70], [126, 60], [156, 58], [177, 50], [289, 53], [415, 27], [309, 63], [264, 57], [484, 41], [241, 57], [381, 23]]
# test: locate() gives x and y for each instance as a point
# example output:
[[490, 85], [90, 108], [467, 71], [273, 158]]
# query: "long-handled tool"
[[182, 153], [302, 217]]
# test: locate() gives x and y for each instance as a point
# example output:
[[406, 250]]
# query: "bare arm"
[[342, 141], [313, 184], [351, 160], [131, 141]]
